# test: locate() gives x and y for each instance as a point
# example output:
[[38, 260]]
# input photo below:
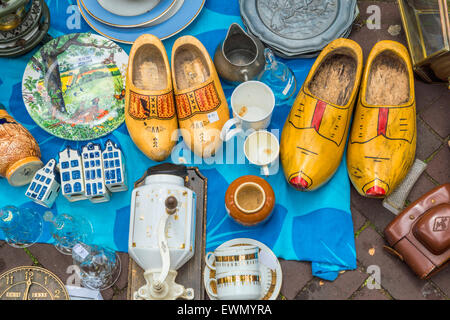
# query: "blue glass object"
[[67, 230], [99, 267], [22, 227], [279, 77]]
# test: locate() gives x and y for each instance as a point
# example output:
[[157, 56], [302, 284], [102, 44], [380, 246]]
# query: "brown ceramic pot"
[[19, 151], [250, 200]]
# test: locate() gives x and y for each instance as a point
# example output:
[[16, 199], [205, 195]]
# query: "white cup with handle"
[[236, 285], [262, 149], [252, 103], [228, 259]]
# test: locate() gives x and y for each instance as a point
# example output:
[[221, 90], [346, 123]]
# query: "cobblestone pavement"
[[369, 216]]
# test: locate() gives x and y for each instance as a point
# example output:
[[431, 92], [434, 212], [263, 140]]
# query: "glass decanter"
[[99, 267], [68, 230], [279, 77], [22, 227]]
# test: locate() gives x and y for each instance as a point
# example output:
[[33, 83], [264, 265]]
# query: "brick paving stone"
[[427, 141], [358, 219], [437, 115], [370, 294], [12, 257], [53, 260], [396, 277], [438, 168], [107, 294], [123, 278], [442, 280], [427, 93], [122, 295], [422, 186], [372, 209], [342, 288], [296, 275]]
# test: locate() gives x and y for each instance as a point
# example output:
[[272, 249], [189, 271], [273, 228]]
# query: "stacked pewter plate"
[[298, 28], [23, 25], [125, 20]]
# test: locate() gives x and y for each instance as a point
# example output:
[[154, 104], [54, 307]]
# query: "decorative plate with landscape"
[[74, 86]]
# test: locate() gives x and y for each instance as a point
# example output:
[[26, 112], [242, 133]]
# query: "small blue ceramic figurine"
[[21, 227], [114, 167]]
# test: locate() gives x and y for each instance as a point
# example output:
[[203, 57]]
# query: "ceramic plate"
[[128, 8], [155, 16], [270, 268], [74, 86], [180, 20], [30, 21]]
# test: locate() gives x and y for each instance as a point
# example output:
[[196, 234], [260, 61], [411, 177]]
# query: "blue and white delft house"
[[114, 168], [94, 180], [44, 188], [72, 178]]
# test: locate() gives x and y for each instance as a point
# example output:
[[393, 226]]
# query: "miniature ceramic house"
[[72, 178], [114, 168], [44, 187], [95, 188]]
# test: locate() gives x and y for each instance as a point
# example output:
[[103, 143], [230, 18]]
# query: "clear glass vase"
[[279, 77], [99, 267], [22, 227], [67, 230]]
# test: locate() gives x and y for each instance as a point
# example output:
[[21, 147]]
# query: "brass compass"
[[31, 283]]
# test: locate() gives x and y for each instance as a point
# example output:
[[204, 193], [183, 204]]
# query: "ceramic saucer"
[[164, 10], [128, 8], [270, 268], [74, 87], [181, 19]]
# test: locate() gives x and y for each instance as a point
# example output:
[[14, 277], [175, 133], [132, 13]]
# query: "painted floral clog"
[[315, 134], [201, 105], [150, 109], [383, 137]]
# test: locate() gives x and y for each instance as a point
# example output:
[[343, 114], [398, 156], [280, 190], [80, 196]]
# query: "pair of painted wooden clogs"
[[160, 98], [382, 142]]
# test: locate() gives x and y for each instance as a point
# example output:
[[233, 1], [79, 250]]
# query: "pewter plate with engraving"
[[296, 27], [297, 20]]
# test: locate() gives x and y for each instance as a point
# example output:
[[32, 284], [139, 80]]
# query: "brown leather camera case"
[[420, 235]]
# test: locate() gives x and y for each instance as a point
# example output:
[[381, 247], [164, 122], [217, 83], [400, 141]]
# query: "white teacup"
[[262, 149], [236, 285], [239, 258], [252, 103]]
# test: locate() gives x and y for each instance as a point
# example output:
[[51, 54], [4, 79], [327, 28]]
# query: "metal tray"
[[298, 27]]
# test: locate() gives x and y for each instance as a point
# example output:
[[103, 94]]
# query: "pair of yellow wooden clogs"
[[382, 143], [160, 98]]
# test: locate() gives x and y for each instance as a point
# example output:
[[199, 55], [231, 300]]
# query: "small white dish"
[[270, 269], [128, 8]]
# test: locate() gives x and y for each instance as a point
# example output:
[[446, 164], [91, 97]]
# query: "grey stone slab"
[[442, 280], [53, 260], [439, 168], [12, 257], [340, 289], [396, 277], [296, 275], [427, 141], [358, 219], [372, 209], [370, 294], [436, 115], [422, 186]]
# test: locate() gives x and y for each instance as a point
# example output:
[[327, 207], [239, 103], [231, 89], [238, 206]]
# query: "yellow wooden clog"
[[201, 105], [315, 134], [382, 142], [150, 109]]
